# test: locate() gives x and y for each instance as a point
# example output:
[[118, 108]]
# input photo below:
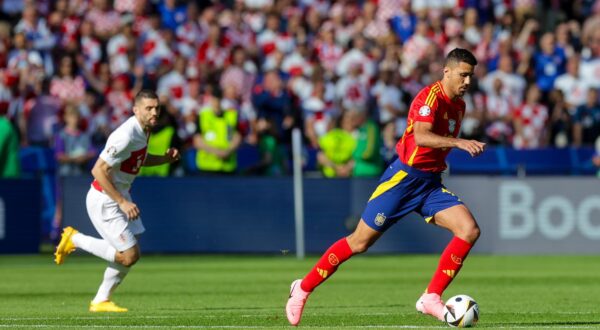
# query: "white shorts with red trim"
[[110, 222]]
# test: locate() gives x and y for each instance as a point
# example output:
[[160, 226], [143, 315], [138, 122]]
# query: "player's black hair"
[[458, 55], [145, 94]]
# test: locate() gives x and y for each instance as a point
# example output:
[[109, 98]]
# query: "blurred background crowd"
[[234, 77]]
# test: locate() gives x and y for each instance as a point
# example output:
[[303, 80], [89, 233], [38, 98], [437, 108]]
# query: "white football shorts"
[[110, 222]]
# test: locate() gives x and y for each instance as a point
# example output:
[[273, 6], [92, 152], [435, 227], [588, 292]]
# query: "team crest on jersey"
[[451, 125], [424, 111], [380, 219]]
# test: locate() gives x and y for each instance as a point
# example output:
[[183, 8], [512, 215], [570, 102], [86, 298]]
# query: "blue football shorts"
[[403, 189]]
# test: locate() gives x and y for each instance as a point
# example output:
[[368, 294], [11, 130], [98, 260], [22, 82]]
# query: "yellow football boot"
[[106, 306], [66, 246]]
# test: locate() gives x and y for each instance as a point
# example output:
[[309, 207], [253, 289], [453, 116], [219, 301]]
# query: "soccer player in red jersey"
[[413, 183]]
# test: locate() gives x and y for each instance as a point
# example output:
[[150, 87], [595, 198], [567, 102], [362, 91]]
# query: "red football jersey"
[[431, 105]]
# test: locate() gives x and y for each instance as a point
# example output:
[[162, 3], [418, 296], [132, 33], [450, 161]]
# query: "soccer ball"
[[461, 311]]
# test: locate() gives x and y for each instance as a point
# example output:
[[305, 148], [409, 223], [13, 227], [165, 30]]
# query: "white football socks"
[[113, 275], [98, 247]]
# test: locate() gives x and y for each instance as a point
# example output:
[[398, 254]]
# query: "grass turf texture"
[[251, 291]]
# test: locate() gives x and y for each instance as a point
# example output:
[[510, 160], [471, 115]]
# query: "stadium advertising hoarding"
[[20, 215], [518, 216]]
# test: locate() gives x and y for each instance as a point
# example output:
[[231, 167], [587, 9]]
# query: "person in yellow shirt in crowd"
[[218, 138]]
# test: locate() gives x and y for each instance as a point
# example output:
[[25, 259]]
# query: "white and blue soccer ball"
[[461, 311]]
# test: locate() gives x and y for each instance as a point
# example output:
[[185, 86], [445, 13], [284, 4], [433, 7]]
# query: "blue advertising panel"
[[20, 214], [250, 215]]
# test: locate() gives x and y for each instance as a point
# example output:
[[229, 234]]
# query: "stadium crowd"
[[241, 73]]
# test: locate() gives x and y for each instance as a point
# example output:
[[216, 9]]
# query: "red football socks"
[[336, 254], [450, 263]]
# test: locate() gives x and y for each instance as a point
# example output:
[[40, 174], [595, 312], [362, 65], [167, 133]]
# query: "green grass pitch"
[[224, 292]]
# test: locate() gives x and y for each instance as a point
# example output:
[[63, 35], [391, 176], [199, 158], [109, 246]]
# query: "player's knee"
[[130, 260], [471, 233]]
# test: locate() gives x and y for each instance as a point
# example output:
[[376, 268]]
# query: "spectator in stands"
[[73, 150], [337, 147], [218, 138], [35, 28], [499, 107], [9, 149], [573, 88], [390, 107], [40, 118], [73, 146], [586, 121], [530, 121], [550, 63], [273, 105], [68, 87], [590, 63], [367, 160], [512, 85], [104, 19], [172, 14], [560, 120]]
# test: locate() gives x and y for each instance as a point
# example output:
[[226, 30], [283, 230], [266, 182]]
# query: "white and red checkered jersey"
[[533, 118], [104, 21], [125, 152], [329, 54], [67, 89], [125, 6]]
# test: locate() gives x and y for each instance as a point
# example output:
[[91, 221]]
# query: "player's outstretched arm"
[[101, 173], [170, 156], [424, 137]]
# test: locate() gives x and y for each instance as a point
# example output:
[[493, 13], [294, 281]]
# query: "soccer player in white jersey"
[[110, 207]]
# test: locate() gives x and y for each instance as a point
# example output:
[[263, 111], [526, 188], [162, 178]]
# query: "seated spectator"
[[218, 138]]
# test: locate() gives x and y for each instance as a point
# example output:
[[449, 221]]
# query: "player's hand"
[[130, 209], [473, 147], [173, 155]]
